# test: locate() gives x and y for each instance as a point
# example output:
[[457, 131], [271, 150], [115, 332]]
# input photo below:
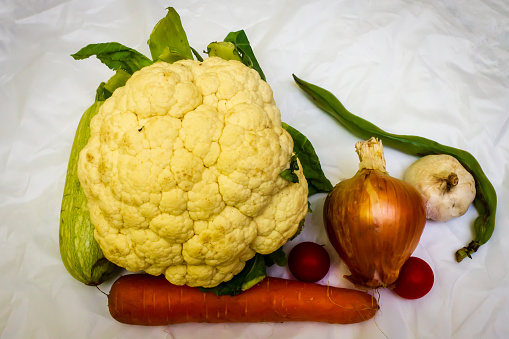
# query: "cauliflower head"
[[181, 172]]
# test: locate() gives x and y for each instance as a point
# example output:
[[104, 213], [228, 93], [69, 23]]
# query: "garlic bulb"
[[447, 188]]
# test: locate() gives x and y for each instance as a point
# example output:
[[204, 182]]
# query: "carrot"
[[142, 299]]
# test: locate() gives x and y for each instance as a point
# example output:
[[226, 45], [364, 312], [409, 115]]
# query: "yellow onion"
[[374, 221]]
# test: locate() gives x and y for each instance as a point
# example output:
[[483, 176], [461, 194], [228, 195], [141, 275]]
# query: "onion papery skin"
[[374, 222]]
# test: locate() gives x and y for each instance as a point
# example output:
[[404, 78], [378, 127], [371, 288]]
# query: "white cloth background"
[[437, 69]]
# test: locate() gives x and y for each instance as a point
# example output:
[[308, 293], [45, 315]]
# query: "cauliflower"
[[181, 172]]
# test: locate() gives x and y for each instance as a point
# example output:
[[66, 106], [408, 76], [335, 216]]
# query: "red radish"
[[308, 261], [142, 299], [415, 279]]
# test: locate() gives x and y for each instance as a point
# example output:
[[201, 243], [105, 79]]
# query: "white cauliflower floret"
[[182, 171]]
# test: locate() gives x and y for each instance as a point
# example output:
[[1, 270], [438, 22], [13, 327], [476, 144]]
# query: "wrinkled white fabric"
[[437, 69]]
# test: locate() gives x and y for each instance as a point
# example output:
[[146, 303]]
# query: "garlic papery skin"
[[447, 188]]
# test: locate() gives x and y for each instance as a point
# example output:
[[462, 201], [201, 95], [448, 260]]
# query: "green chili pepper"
[[486, 198]]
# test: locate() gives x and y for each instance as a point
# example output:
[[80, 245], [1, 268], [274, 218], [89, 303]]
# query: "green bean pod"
[[486, 198]]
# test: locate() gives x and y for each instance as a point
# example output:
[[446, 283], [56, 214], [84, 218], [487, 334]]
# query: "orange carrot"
[[142, 299]]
